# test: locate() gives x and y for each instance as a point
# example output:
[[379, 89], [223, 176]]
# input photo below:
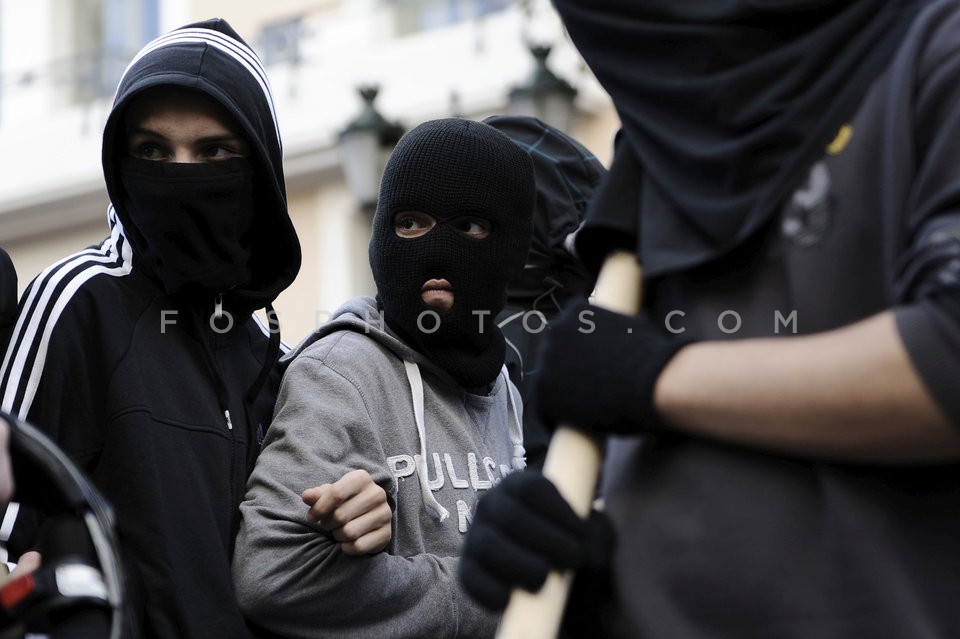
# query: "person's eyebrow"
[[139, 130], [210, 139], [226, 137]]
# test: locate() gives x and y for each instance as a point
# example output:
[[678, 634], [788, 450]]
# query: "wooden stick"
[[573, 465]]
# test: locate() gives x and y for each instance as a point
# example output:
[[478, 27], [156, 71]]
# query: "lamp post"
[[364, 145], [544, 95]]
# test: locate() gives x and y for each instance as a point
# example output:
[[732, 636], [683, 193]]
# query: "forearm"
[[850, 394], [300, 585]]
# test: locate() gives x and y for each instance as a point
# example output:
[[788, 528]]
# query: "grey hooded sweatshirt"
[[354, 396]]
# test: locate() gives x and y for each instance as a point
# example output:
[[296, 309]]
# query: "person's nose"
[[184, 155]]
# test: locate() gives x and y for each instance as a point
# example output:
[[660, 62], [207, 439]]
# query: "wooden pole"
[[573, 465]]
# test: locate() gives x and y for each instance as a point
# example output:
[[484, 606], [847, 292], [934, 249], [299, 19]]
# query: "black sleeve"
[[56, 379], [8, 298], [927, 274]]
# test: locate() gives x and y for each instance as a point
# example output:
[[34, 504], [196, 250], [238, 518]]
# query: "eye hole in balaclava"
[[411, 224], [450, 181]]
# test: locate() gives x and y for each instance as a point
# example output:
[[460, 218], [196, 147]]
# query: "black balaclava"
[[450, 168]]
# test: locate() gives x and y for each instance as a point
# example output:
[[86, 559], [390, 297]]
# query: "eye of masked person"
[[172, 124], [147, 147], [411, 224]]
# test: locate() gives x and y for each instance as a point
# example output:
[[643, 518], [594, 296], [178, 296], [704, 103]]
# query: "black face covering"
[[725, 106], [451, 168], [191, 221]]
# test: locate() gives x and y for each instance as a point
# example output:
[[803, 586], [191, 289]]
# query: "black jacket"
[[134, 384], [8, 297]]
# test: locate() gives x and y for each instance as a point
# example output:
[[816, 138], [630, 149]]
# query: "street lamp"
[[544, 95], [365, 144]]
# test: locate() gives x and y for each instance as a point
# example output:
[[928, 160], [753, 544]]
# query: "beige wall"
[[298, 305], [333, 241], [595, 131], [32, 255]]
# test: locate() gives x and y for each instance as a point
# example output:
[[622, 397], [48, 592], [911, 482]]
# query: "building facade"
[[60, 60]]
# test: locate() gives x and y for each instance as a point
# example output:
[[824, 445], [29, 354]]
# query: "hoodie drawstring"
[[416, 393], [518, 461]]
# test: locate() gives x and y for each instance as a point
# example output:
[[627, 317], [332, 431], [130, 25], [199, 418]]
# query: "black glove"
[[598, 370], [523, 529]]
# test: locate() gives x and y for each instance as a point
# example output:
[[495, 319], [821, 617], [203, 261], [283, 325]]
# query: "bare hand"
[[28, 562], [354, 510]]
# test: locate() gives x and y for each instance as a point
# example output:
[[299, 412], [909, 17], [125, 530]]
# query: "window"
[[279, 41], [105, 35], [420, 15]]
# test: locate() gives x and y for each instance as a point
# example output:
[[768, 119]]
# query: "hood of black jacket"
[[211, 57], [566, 175]]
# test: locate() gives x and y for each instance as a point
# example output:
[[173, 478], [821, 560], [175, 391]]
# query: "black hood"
[[566, 175], [211, 57]]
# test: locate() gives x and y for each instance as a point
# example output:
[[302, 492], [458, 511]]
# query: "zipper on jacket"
[[208, 339], [222, 394]]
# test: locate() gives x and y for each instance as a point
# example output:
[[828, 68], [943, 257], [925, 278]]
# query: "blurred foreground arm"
[[849, 394]]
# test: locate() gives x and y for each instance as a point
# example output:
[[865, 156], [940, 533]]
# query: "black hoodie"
[[160, 406]]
